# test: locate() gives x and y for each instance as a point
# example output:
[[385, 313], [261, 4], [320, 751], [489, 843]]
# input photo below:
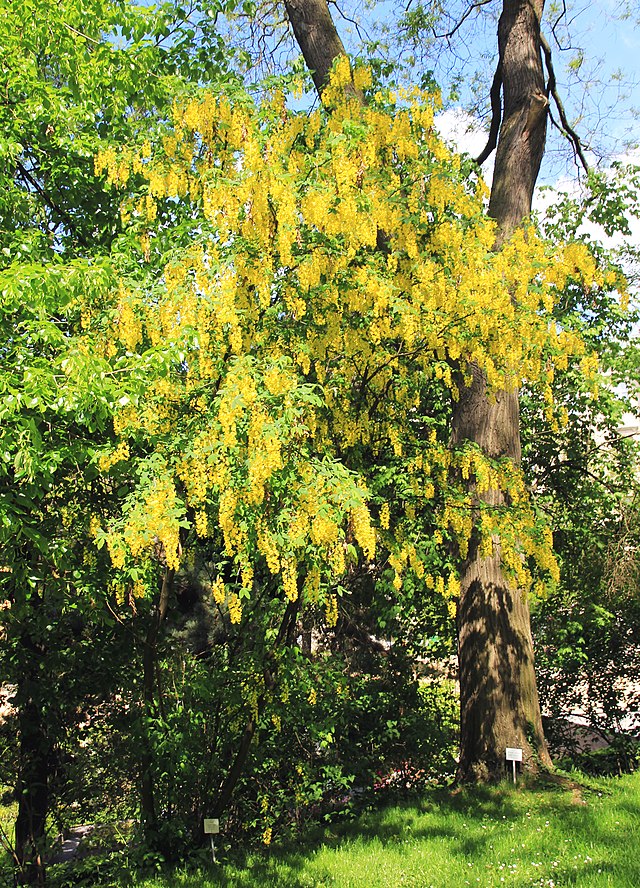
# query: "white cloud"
[[466, 135]]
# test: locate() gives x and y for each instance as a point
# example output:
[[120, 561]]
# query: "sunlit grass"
[[7, 821], [586, 834], [551, 836]]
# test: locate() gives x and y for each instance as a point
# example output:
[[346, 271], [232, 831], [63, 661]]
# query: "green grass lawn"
[[585, 834], [551, 836]]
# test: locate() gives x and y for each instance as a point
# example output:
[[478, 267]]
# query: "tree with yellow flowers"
[[238, 399], [327, 267], [270, 344]]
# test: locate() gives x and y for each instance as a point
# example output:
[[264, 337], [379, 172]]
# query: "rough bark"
[[523, 131], [498, 694], [317, 37], [499, 699]]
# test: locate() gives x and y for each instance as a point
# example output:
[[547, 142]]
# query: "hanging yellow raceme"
[[341, 261]]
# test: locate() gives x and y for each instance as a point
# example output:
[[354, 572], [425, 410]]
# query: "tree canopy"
[[287, 343], [235, 330]]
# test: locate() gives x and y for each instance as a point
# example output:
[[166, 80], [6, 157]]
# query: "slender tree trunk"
[[499, 704], [150, 655], [33, 776], [499, 699], [283, 638]]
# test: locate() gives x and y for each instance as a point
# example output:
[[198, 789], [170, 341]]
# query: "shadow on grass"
[[457, 816], [593, 838]]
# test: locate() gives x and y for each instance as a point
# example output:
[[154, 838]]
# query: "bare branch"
[[84, 36], [471, 9], [568, 22], [351, 21], [552, 88], [48, 200], [561, 15], [496, 116]]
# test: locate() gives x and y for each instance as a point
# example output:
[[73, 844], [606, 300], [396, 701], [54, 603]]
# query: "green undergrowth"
[[8, 811], [566, 831], [583, 833]]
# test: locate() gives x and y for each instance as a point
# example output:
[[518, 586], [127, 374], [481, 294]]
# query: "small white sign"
[[514, 755], [211, 826]]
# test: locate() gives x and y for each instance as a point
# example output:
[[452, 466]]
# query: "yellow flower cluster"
[[128, 325], [284, 329], [118, 454], [385, 516], [363, 531], [311, 587], [94, 525], [331, 610], [218, 591], [235, 607], [290, 578], [151, 527]]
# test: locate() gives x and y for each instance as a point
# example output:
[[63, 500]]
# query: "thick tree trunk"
[[317, 37], [499, 700], [498, 695]]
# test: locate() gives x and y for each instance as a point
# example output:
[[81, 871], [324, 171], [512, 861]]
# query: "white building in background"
[[631, 427]]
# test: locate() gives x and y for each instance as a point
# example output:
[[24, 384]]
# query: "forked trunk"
[[499, 705], [499, 699]]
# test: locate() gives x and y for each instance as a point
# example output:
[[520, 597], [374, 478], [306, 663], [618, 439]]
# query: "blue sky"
[[612, 60], [596, 57]]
